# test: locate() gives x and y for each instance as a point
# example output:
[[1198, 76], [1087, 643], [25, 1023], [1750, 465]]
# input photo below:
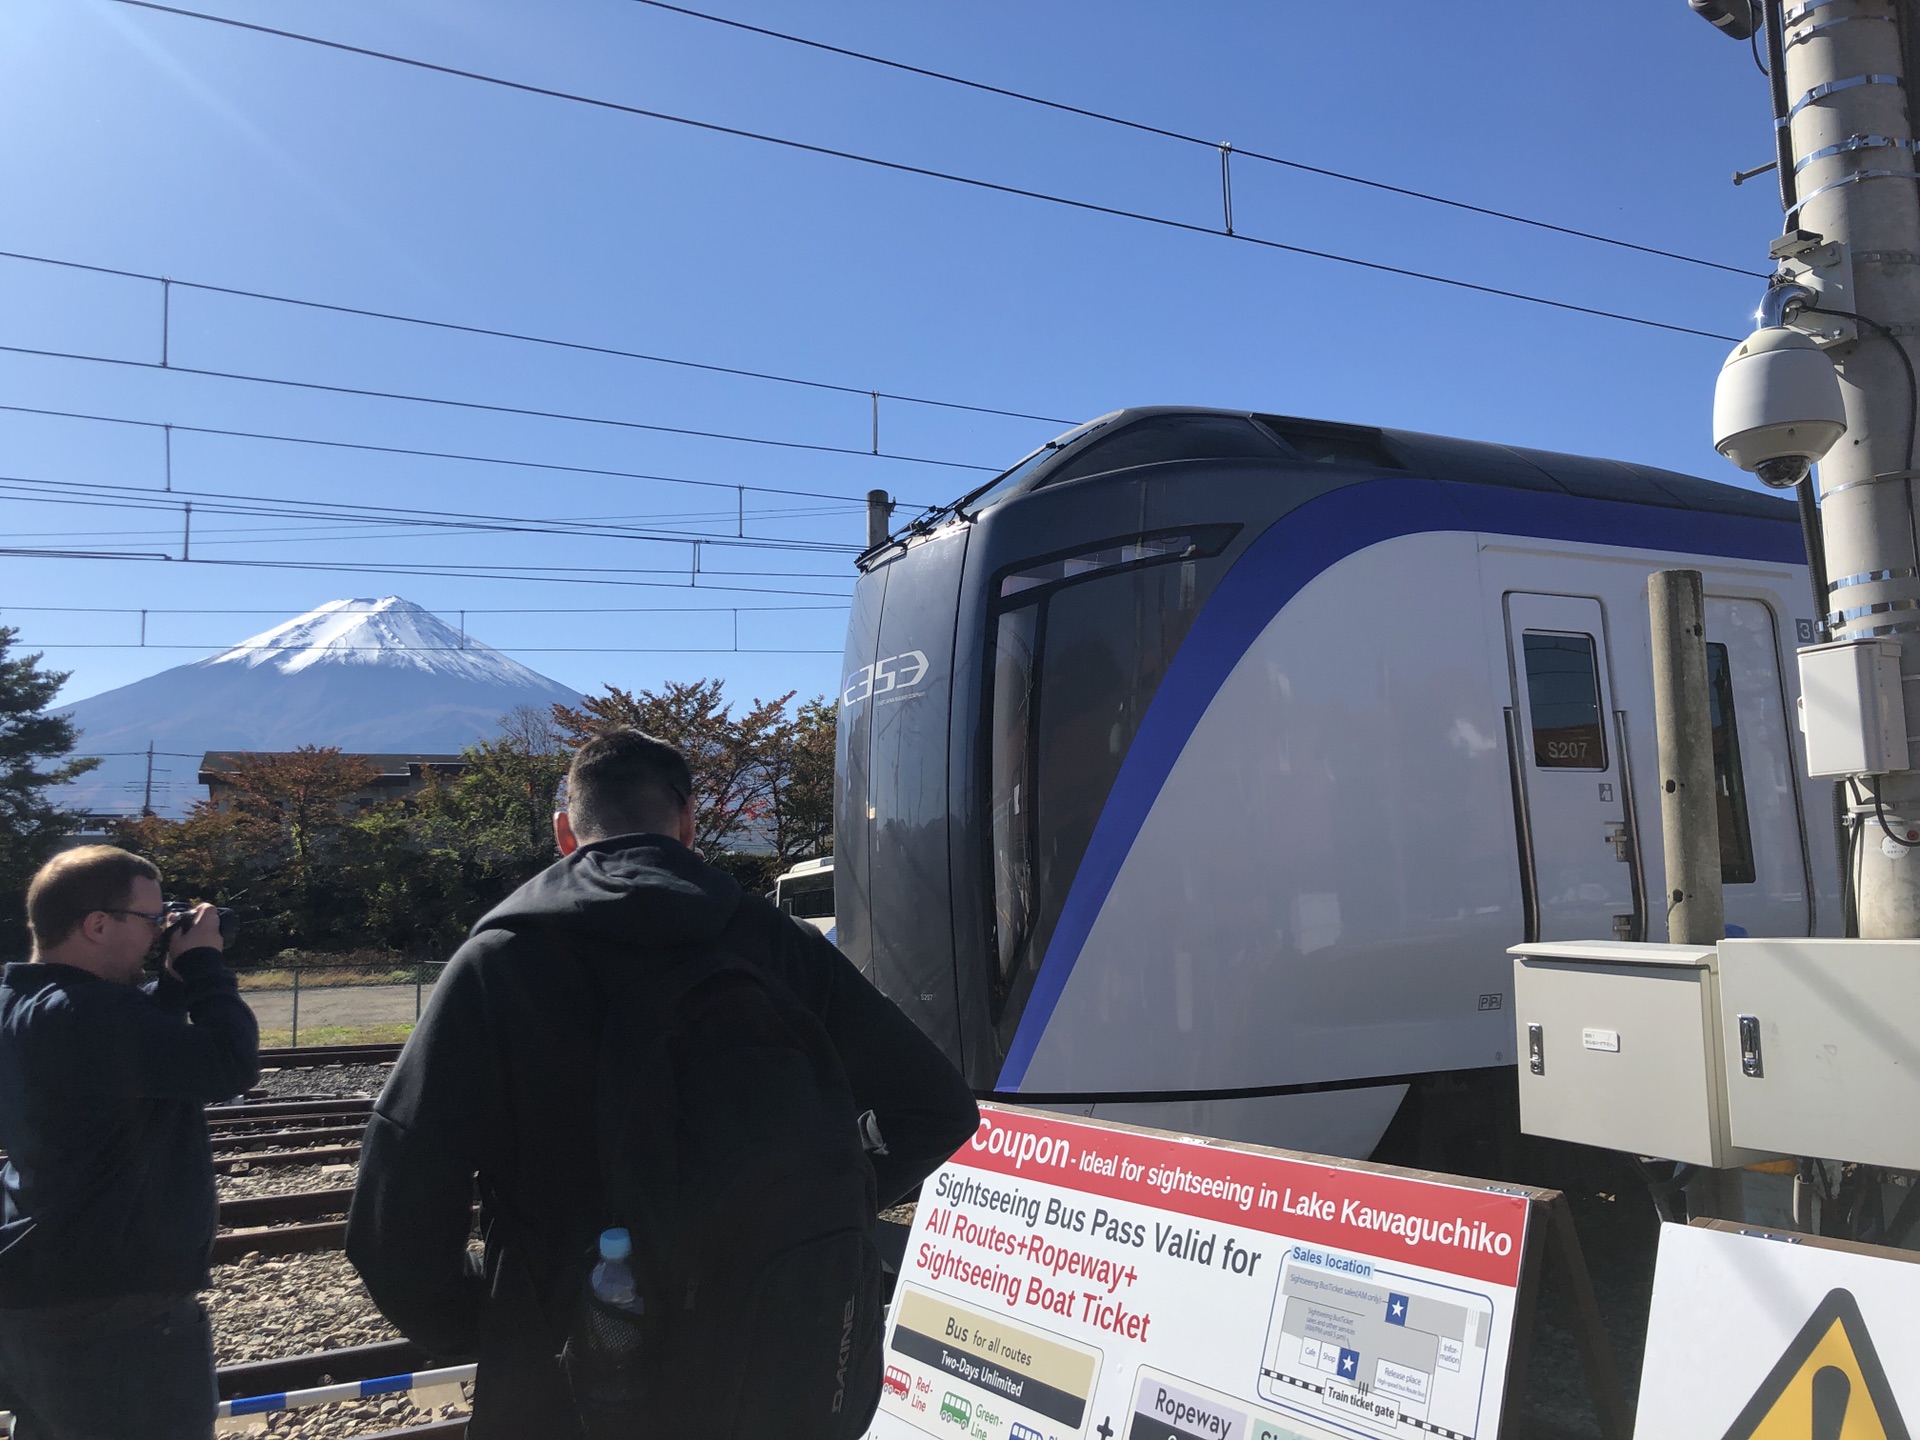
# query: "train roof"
[[1435, 457]]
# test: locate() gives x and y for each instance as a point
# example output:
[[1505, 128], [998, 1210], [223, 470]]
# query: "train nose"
[[891, 843]]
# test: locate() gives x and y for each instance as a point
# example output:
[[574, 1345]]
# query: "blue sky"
[[165, 145]]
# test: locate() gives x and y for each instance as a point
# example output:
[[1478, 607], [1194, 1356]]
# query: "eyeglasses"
[[155, 918]]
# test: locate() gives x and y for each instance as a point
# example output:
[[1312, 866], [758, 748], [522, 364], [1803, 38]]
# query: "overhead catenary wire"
[[593, 470], [927, 172], [497, 409], [352, 609], [1165, 133], [532, 574], [452, 649], [171, 283], [32, 490]]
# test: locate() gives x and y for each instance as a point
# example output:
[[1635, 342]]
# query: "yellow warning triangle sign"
[[1827, 1386]]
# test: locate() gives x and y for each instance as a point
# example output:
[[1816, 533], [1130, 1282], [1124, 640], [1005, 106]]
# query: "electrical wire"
[[518, 410], [582, 346], [454, 649], [225, 503], [1913, 412], [926, 172], [1880, 814], [1213, 145], [859, 500], [443, 611], [532, 574]]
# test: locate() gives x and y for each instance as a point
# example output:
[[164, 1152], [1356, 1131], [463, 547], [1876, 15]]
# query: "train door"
[[1570, 775]]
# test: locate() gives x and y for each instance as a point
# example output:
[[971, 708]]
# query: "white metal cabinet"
[[1822, 1052], [1619, 1047]]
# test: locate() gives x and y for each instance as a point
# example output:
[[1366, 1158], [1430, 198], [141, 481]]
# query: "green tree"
[[34, 750], [802, 784]]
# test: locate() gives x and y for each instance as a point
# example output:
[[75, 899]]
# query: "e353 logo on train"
[[896, 673]]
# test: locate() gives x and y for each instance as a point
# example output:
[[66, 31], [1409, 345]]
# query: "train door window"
[[1170, 437], [1011, 775], [1730, 786], [1563, 700]]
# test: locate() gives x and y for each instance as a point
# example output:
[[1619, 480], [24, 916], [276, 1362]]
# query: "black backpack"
[[732, 1152]]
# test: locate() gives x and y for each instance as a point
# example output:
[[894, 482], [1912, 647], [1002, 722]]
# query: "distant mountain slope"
[[375, 675]]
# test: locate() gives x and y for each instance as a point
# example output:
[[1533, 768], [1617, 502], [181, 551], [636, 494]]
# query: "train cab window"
[[1730, 786], [1004, 484], [1077, 653], [1160, 438], [1563, 699]]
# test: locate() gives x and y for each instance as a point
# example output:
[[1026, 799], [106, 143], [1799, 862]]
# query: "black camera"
[[179, 915]]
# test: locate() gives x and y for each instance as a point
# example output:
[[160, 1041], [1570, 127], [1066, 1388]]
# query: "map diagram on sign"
[[1374, 1351]]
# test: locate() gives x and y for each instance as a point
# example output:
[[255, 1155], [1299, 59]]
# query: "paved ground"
[[345, 1005]]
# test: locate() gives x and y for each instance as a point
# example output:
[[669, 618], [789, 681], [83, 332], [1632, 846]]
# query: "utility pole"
[[146, 795], [1852, 146], [1689, 802]]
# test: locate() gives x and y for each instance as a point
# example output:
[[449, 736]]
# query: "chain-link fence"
[[333, 1004]]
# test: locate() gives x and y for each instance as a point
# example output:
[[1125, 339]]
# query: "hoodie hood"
[[631, 891]]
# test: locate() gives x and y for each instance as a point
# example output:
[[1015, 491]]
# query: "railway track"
[[349, 1364], [307, 1057]]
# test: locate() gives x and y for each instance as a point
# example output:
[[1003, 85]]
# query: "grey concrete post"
[[294, 1038], [1851, 132], [879, 517], [1689, 802]]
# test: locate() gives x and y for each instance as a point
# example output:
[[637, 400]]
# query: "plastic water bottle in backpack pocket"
[[607, 1352]]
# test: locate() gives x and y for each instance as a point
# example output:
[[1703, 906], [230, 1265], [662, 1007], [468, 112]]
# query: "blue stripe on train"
[[1291, 552]]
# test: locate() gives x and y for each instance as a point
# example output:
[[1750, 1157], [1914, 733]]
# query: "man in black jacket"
[[107, 1209], [498, 1081]]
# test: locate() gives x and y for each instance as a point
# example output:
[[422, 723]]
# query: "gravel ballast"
[[271, 1307], [326, 1082], [284, 1180]]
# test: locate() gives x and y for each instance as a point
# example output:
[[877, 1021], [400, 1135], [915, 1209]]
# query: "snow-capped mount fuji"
[[384, 634], [365, 675]]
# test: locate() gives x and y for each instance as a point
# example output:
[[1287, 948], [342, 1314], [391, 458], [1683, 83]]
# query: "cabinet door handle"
[[1750, 1048]]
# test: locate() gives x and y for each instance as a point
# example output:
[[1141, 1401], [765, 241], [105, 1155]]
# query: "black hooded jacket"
[[498, 1082], [108, 1188]]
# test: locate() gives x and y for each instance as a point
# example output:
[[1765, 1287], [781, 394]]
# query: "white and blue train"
[[1203, 766]]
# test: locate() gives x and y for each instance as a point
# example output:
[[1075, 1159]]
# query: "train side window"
[[1730, 785], [1563, 699], [1170, 437]]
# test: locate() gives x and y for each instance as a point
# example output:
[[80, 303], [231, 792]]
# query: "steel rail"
[[261, 1109], [230, 1245], [320, 1155], [291, 1057], [256, 1210], [224, 1144]]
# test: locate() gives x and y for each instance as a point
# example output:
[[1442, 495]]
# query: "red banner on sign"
[[1451, 1228]]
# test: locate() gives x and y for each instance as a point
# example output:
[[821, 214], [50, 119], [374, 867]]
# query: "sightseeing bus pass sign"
[[1070, 1278]]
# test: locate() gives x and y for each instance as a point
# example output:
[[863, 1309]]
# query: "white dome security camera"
[[1777, 406]]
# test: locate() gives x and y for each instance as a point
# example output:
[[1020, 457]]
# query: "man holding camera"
[[107, 1207]]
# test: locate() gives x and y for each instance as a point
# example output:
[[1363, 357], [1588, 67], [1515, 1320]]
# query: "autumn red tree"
[[728, 755]]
